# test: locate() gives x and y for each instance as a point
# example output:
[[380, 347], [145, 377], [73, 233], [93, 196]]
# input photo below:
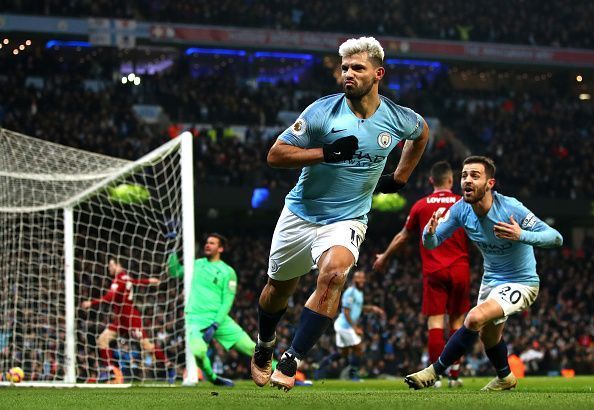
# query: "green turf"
[[535, 392]]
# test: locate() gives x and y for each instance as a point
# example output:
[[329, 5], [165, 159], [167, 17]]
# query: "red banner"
[[395, 47]]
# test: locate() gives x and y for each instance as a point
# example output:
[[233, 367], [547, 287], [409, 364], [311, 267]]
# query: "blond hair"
[[368, 45]]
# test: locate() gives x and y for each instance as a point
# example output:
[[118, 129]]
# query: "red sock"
[[160, 355], [435, 344], [106, 356], [455, 367]]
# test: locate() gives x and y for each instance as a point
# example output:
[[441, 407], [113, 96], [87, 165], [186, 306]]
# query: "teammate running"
[[506, 232]]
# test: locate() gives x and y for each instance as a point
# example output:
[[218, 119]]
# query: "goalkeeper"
[[214, 284]]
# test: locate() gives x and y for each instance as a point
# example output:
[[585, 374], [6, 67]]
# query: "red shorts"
[[447, 290], [128, 326]]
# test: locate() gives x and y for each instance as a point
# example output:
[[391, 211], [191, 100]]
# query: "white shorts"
[[298, 244], [346, 337], [512, 297]]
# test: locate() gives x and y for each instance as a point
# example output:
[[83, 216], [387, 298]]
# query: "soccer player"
[[214, 285], [342, 142], [446, 270], [127, 320], [348, 334], [505, 231]]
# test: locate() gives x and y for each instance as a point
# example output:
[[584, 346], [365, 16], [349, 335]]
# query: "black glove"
[[209, 332], [342, 149], [387, 185]]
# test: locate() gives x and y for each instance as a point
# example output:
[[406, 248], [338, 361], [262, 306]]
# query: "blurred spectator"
[[562, 23], [503, 124]]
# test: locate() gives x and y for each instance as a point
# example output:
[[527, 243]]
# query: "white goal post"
[[64, 214]]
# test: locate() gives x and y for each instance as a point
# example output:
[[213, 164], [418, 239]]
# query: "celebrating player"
[[214, 284], [127, 320], [446, 271], [348, 334], [342, 142], [505, 231]]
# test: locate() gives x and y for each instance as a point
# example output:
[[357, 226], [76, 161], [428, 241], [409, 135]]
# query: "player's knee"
[[474, 320], [333, 278]]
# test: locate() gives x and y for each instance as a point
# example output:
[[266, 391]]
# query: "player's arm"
[[411, 154], [283, 155], [347, 315], [174, 267], [299, 145], [228, 290], [530, 230], [347, 301], [374, 309], [146, 282], [107, 297], [440, 227], [395, 245]]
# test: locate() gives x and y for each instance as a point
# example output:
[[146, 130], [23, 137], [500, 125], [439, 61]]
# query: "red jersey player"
[[126, 319], [446, 272]]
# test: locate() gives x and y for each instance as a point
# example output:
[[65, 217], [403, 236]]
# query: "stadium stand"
[[564, 23]]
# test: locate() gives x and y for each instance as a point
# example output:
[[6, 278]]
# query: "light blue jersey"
[[327, 193], [505, 261], [352, 299]]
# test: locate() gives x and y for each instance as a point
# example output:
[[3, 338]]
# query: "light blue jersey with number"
[[352, 299], [505, 261], [327, 193]]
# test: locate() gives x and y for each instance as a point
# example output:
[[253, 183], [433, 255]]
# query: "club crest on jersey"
[[274, 266], [298, 128], [384, 140]]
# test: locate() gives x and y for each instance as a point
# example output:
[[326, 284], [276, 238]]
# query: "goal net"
[[66, 314]]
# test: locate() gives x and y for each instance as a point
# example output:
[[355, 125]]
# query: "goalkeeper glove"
[[341, 150], [171, 226], [209, 332], [387, 185]]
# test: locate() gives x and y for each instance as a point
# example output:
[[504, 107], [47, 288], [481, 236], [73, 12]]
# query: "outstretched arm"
[[149, 281], [175, 268], [374, 309], [439, 228], [398, 241], [107, 297]]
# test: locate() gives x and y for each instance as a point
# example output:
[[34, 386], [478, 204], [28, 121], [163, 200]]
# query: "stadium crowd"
[[564, 23], [64, 109]]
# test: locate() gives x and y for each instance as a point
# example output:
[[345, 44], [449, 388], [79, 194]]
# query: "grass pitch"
[[534, 392]]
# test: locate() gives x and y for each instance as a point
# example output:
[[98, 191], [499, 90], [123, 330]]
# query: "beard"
[[356, 93], [476, 195]]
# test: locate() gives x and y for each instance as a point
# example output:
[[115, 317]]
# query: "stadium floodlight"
[[60, 222]]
